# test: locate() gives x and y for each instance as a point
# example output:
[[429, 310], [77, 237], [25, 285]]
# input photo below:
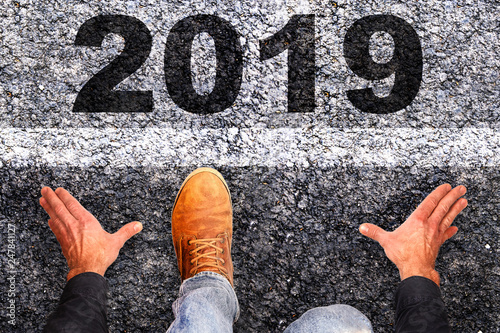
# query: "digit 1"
[[406, 63], [97, 94], [298, 37], [178, 64]]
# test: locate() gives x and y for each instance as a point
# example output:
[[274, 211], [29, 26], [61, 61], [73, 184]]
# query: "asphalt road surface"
[[301, 181]]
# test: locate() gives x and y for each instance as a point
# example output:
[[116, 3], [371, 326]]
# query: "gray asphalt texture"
[[296, 244], [296, 240]]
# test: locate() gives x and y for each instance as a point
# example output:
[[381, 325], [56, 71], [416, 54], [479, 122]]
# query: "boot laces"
[[211, 260]]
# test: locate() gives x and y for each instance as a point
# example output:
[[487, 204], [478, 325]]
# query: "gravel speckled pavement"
[[301, 182]]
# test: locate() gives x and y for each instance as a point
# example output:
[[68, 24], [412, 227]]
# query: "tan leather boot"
[[202, 225]]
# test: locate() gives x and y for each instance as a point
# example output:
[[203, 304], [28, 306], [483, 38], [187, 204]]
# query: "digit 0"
[[178, 64]]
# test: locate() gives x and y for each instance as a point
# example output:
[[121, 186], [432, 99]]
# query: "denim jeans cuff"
[[208, 278]]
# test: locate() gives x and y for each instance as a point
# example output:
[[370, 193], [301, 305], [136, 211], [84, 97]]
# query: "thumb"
[[372, 231], [127, 231]]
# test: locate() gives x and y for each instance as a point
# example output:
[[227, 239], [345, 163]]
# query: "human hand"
[[85, 245], [415, 244]]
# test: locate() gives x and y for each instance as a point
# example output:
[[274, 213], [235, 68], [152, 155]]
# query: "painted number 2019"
[[297, 36]]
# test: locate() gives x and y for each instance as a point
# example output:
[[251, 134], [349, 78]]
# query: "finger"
[[457, 207], [58, 207], [44, 189], [450, 232], [55, 222], [59, 230], [54, 227], [72, 205], [445, 205], [127, 231], [45, 205], [372, 231], [427, 206]]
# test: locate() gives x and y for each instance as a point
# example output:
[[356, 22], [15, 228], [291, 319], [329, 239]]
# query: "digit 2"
[[97, 94]]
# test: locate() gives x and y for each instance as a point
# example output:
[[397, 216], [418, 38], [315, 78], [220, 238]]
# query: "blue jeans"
[[207, 303]]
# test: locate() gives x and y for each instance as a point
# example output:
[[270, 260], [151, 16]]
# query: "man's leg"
[[202, 229], [206, 303], [338, 318]]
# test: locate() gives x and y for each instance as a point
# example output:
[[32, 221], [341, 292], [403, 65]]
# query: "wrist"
[[79, 270], [430, 274]]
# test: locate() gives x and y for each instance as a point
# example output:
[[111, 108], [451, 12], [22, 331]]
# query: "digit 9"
[[406, 63]]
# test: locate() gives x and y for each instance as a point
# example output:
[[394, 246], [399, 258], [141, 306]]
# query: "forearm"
[[82, 307], [419, 307]]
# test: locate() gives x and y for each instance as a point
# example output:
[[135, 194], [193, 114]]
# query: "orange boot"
[[202, 225]]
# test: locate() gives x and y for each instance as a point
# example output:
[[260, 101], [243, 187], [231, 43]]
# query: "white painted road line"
[[303, 147]]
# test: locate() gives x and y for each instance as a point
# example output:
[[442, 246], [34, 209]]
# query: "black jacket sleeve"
[[82, 307], [419, 307]]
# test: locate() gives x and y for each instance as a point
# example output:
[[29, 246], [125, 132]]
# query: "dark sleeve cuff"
[[89, 285], [82, 307], [419, 307]]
